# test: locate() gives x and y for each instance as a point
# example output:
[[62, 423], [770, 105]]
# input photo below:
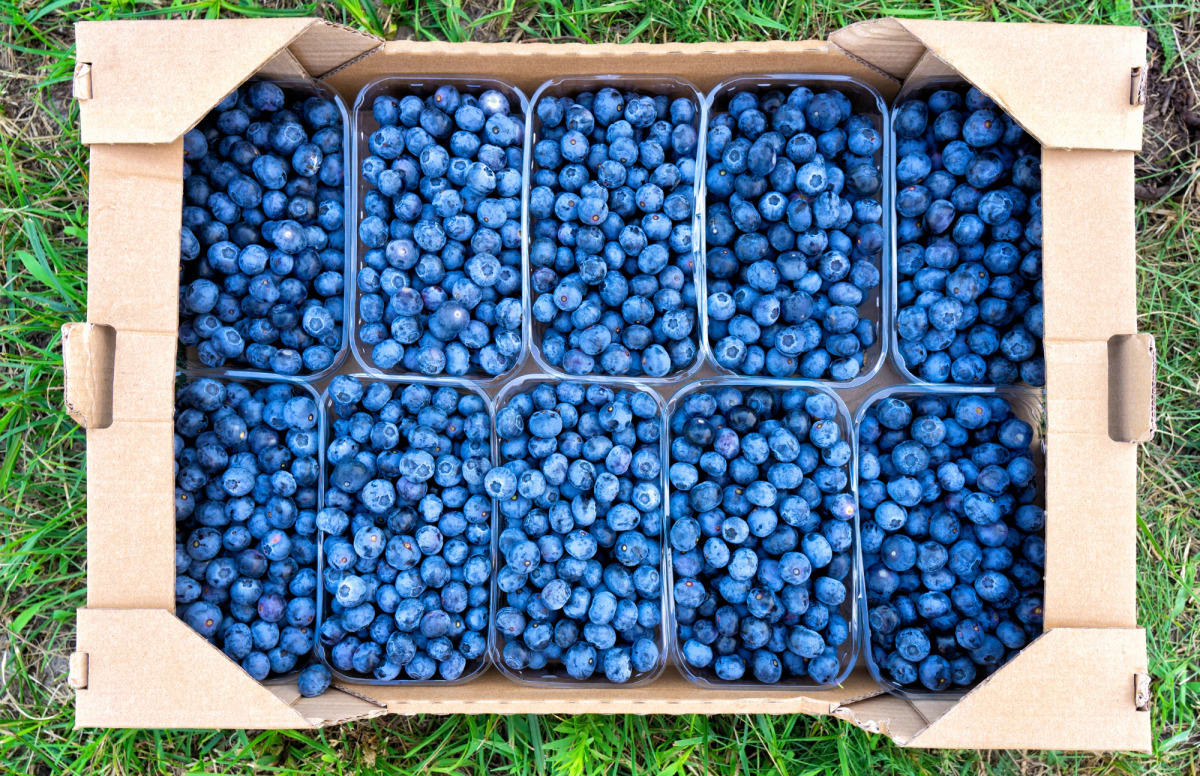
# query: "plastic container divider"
[[876, 305], [364, 124], [848, 650], [474, 668], [1028, 405], [568, 86], [291, 88], [558, 678]]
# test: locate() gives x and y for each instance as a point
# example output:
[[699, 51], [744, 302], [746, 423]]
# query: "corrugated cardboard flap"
[[147, 668], [1047, 76], [1071, 688], [150, 81]]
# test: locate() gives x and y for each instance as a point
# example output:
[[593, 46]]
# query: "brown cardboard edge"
[[670, 693], [136, 98], [528, 65], [1096, 105], [87, 662]]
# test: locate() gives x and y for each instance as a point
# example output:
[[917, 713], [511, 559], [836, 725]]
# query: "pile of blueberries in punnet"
[[407, 531], [579, 491], [262, 246], [952, 537], [611, 250], [969, 231], [762, 527], [245, 508], [440, 278], [793, 233], [560, 495]]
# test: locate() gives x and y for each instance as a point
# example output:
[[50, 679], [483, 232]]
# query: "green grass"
[[43, 221]]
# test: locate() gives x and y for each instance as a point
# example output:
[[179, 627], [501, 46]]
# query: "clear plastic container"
[[254, 381], [364, 124], [876, 304], [291, 89], [1028, 405], [474, 667], [921, 87], [848, 650], [568, 86], [555, 675]]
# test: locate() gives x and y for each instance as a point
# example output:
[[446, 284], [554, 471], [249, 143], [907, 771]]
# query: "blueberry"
[[967, 207], [255, 202], [414, 551], [945, 588], [612, 215], [750, 519], [766, 219], [580, 495], [246, 461]]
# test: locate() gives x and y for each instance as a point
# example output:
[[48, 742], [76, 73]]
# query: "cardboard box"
[[1082, 685]]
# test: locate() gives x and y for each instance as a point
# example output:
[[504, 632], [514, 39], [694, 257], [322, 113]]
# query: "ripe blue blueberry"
[[263, 240], [794, 234], [580, 493], [406, 531], [440, 285], [948, 519], [970, 243], [612, 250], [246, 490], [761, 544]]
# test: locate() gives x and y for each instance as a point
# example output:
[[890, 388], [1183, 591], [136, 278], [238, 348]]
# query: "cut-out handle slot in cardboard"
[[88, 357], [1131, 382]]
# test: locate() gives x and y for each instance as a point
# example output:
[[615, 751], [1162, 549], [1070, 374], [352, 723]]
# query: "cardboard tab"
[[1047, 76], [153, 80], [884, 43], [1093, 707], [77, 671], [1131, 387], [324, 47], [885, 714], [88, 355], [81, 83]]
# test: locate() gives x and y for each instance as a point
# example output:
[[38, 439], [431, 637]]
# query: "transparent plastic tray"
[[876, 304], [568, 86], [364, 124], [555, 675], [254, 381], [848, 651], [917, 88], [475, 667], [1028, 405], [350, 229]]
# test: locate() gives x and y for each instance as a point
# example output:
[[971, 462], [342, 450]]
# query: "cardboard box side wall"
[[133, 285]]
